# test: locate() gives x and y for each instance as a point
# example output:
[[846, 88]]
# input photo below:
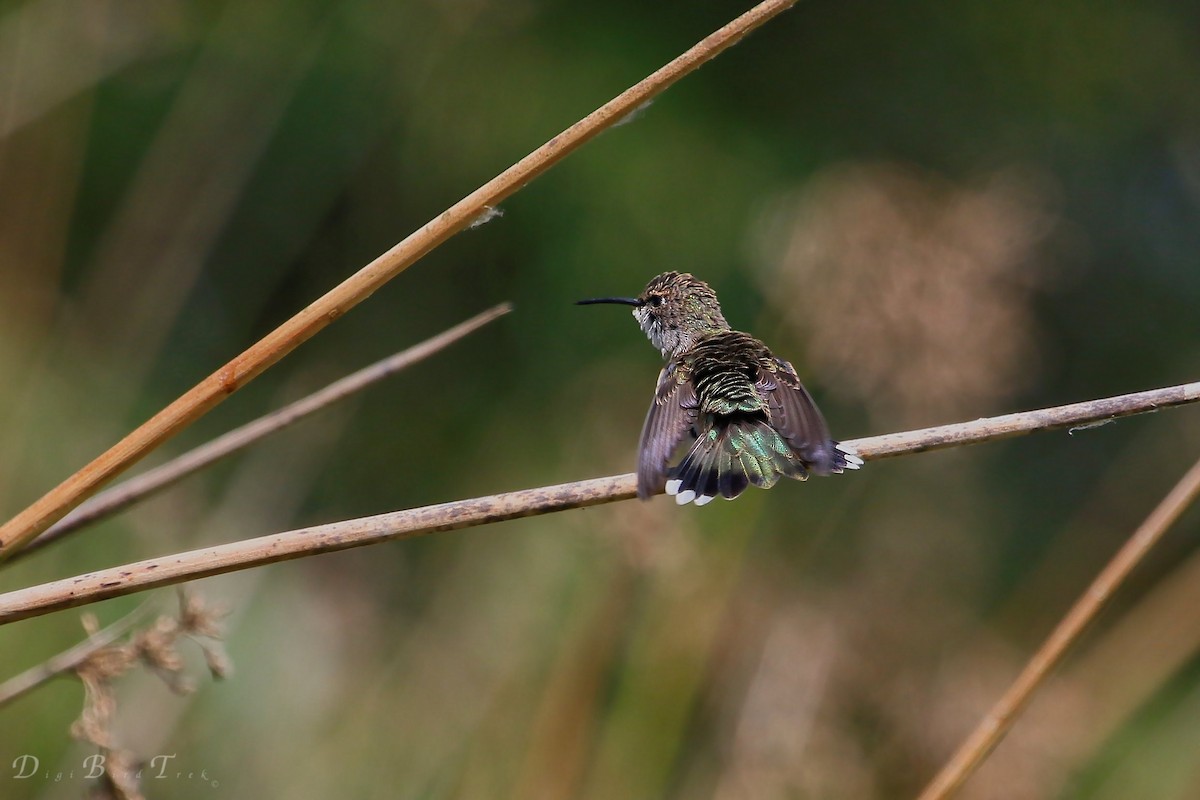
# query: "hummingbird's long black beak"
[[625, 301]]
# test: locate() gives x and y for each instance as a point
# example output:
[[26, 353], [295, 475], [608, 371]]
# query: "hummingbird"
[[748, 418]]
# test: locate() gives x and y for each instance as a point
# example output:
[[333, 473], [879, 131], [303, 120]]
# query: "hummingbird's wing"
[[671, 416], [795, 415]]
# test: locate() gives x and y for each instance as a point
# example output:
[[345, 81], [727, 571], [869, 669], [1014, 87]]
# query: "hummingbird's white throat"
[[669, 341]]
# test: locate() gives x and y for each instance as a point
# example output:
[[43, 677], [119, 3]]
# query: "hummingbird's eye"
[[655, 300]]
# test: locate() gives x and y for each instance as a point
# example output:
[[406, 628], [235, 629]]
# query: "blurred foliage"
[[936, 210]]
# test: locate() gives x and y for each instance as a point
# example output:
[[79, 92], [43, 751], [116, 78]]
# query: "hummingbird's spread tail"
[[728, 458], [752, 417]]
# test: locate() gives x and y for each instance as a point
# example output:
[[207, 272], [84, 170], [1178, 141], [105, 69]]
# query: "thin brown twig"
[[148, 574], [70, 658], [992, 728], [212, 390], [125, 494]]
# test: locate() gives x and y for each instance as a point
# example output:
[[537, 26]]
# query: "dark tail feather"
[[725, 460], [731, 482], [687, 480]]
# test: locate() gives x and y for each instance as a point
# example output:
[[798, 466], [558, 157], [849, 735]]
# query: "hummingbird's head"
[[674, 310]]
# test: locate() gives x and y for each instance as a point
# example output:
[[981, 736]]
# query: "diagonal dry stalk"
[[139, 576], [69, 659], [996, 723], [262, 354], [125, 494]]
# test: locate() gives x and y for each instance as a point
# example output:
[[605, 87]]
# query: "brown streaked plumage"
[[751, 419]]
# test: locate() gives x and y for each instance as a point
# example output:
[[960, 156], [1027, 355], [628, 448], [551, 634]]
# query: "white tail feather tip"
[[683, 498], [673, 486], [704, 499]]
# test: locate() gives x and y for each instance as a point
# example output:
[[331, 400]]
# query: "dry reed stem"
[[212, 390], [125, 494], [992, 728], [70, 658], [139, 576]]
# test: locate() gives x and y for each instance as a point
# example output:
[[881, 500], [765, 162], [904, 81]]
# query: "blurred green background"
[[937, 211]]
